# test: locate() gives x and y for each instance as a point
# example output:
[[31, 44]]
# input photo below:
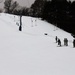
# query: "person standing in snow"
[[59, 42], [74, 43], [56, 39], [65, 41]]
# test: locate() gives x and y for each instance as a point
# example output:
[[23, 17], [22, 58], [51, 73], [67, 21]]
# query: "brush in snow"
[[17, 23], [31, 22], [35, 22], [73, 35]]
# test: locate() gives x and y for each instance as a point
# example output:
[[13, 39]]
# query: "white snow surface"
[[30, 52]]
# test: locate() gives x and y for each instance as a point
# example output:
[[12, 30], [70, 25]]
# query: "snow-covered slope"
[[30, 52]]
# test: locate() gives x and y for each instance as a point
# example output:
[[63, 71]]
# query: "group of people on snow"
[[65, 41]]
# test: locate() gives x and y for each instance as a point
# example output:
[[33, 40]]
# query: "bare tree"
[[1, 10], [14, 5], [10, 5]]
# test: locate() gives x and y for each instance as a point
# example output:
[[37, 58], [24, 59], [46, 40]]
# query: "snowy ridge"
[[30, 52]]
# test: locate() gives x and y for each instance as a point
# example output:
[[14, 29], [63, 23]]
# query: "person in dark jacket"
[[56, 39], [59, 42], [65, 41], [74, 43]]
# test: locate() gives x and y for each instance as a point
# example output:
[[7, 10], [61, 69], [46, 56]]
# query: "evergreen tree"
[[25, 11], [57, 13], [37, 7]]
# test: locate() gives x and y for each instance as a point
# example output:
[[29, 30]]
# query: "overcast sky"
[[26, 3], [22, 2]]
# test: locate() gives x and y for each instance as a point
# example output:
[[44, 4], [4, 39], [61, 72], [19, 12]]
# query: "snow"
[[30, 52]]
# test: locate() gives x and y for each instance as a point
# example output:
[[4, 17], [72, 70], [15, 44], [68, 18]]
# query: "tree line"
[[61, 14], [58, 12]]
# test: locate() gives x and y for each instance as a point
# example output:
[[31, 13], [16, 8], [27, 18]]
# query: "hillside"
[[30, 52]]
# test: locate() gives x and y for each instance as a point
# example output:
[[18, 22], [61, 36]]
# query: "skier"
[[59, 42], [56, 38], [65, 41], [74, 43]]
